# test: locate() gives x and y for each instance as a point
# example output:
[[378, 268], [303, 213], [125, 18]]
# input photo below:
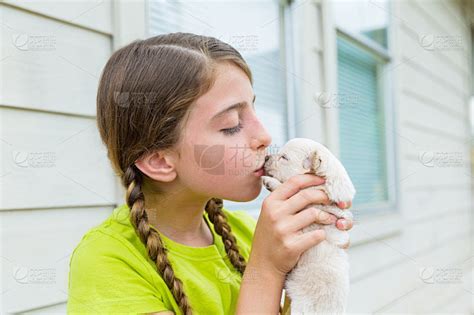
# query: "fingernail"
[[344, 224], [324, 216]]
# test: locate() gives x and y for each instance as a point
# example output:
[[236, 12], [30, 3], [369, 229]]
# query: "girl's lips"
[[260, 172]]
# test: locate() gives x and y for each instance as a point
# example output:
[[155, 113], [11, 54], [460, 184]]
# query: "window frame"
[[385, 82], [370, 224]]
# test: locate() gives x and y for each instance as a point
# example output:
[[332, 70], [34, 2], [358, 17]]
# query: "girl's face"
[[224, 143]]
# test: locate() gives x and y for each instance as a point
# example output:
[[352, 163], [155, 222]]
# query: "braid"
[[135, 199], [219, 220]]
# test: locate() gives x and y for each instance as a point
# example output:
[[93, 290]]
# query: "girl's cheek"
[[238, 156], [208, 157]]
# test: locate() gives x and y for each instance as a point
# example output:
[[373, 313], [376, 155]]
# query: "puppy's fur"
[[319, 283]]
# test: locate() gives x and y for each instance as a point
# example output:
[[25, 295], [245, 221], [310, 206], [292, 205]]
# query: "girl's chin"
[[254, 194]]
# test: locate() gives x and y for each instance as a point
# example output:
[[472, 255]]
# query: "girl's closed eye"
[[233, 130]]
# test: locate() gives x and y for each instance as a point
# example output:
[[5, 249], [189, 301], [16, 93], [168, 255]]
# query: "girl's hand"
[[278, 240], [344, 224]]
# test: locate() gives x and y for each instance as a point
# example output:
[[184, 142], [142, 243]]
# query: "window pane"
[[361, 122], [253, 28], [368, 18]]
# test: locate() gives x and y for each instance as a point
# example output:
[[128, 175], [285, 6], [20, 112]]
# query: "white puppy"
[[319, 283]]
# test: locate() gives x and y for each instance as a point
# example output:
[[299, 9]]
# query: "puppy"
[[319, 283]]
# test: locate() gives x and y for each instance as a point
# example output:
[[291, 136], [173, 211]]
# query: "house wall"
[[410, 270], [56, 181], [403, 260]]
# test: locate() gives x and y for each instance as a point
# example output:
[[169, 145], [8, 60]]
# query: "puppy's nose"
[[267, 158]]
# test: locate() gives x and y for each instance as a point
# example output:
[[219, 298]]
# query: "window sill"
[[372, 227]]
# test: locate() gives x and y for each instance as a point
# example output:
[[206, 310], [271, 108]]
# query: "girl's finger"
[[344, 224], [308, 216], [306, 197], [294, 184], [306, 240], [344, 204]]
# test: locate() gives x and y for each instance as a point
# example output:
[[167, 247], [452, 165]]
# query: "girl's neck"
[[179, 217]]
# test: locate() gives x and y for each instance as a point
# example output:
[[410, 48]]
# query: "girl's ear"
[[158, 166]]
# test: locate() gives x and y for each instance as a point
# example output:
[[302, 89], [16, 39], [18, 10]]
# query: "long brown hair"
[[145, 93]]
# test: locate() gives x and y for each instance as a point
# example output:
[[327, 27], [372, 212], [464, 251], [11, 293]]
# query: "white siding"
[[392, 252], [432, 89], [56, 181]]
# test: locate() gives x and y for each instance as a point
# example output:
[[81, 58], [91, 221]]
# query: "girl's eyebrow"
[[238, 106]]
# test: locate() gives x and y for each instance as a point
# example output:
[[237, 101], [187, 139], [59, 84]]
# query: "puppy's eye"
[[284, 157]]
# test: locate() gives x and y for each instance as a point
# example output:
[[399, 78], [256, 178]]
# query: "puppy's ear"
[[311, 162]]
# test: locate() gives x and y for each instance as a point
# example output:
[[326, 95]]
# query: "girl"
[[176, 114]]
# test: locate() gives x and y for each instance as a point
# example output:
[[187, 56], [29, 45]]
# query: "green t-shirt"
[[110, 271]]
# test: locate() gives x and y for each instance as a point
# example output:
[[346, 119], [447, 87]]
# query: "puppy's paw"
[[270, 183]]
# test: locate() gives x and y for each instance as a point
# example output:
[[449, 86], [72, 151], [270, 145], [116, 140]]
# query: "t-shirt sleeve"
[[106, 277]]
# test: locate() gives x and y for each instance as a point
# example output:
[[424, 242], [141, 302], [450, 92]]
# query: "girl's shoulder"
[[241, 222]]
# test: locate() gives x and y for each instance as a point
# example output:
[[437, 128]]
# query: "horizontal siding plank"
[[413, 108], [462, 301], [440, 294], [425, 27], [421, 205], [413, 239], [54, 160], [421, 175], [42, 281], [411, 79], [92, 14], [378, 291], [59, 308], [439, 12], [49, 66], [413, 50]]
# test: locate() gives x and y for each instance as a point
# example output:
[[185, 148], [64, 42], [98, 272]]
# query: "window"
[[253, 28], [363, 56]]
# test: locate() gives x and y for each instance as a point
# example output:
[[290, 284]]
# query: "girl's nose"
[[262, 141]]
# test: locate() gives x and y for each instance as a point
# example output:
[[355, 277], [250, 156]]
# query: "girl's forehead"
[[231, 86]]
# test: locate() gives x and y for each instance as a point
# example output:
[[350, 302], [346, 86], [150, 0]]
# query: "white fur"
[[319, 283]]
